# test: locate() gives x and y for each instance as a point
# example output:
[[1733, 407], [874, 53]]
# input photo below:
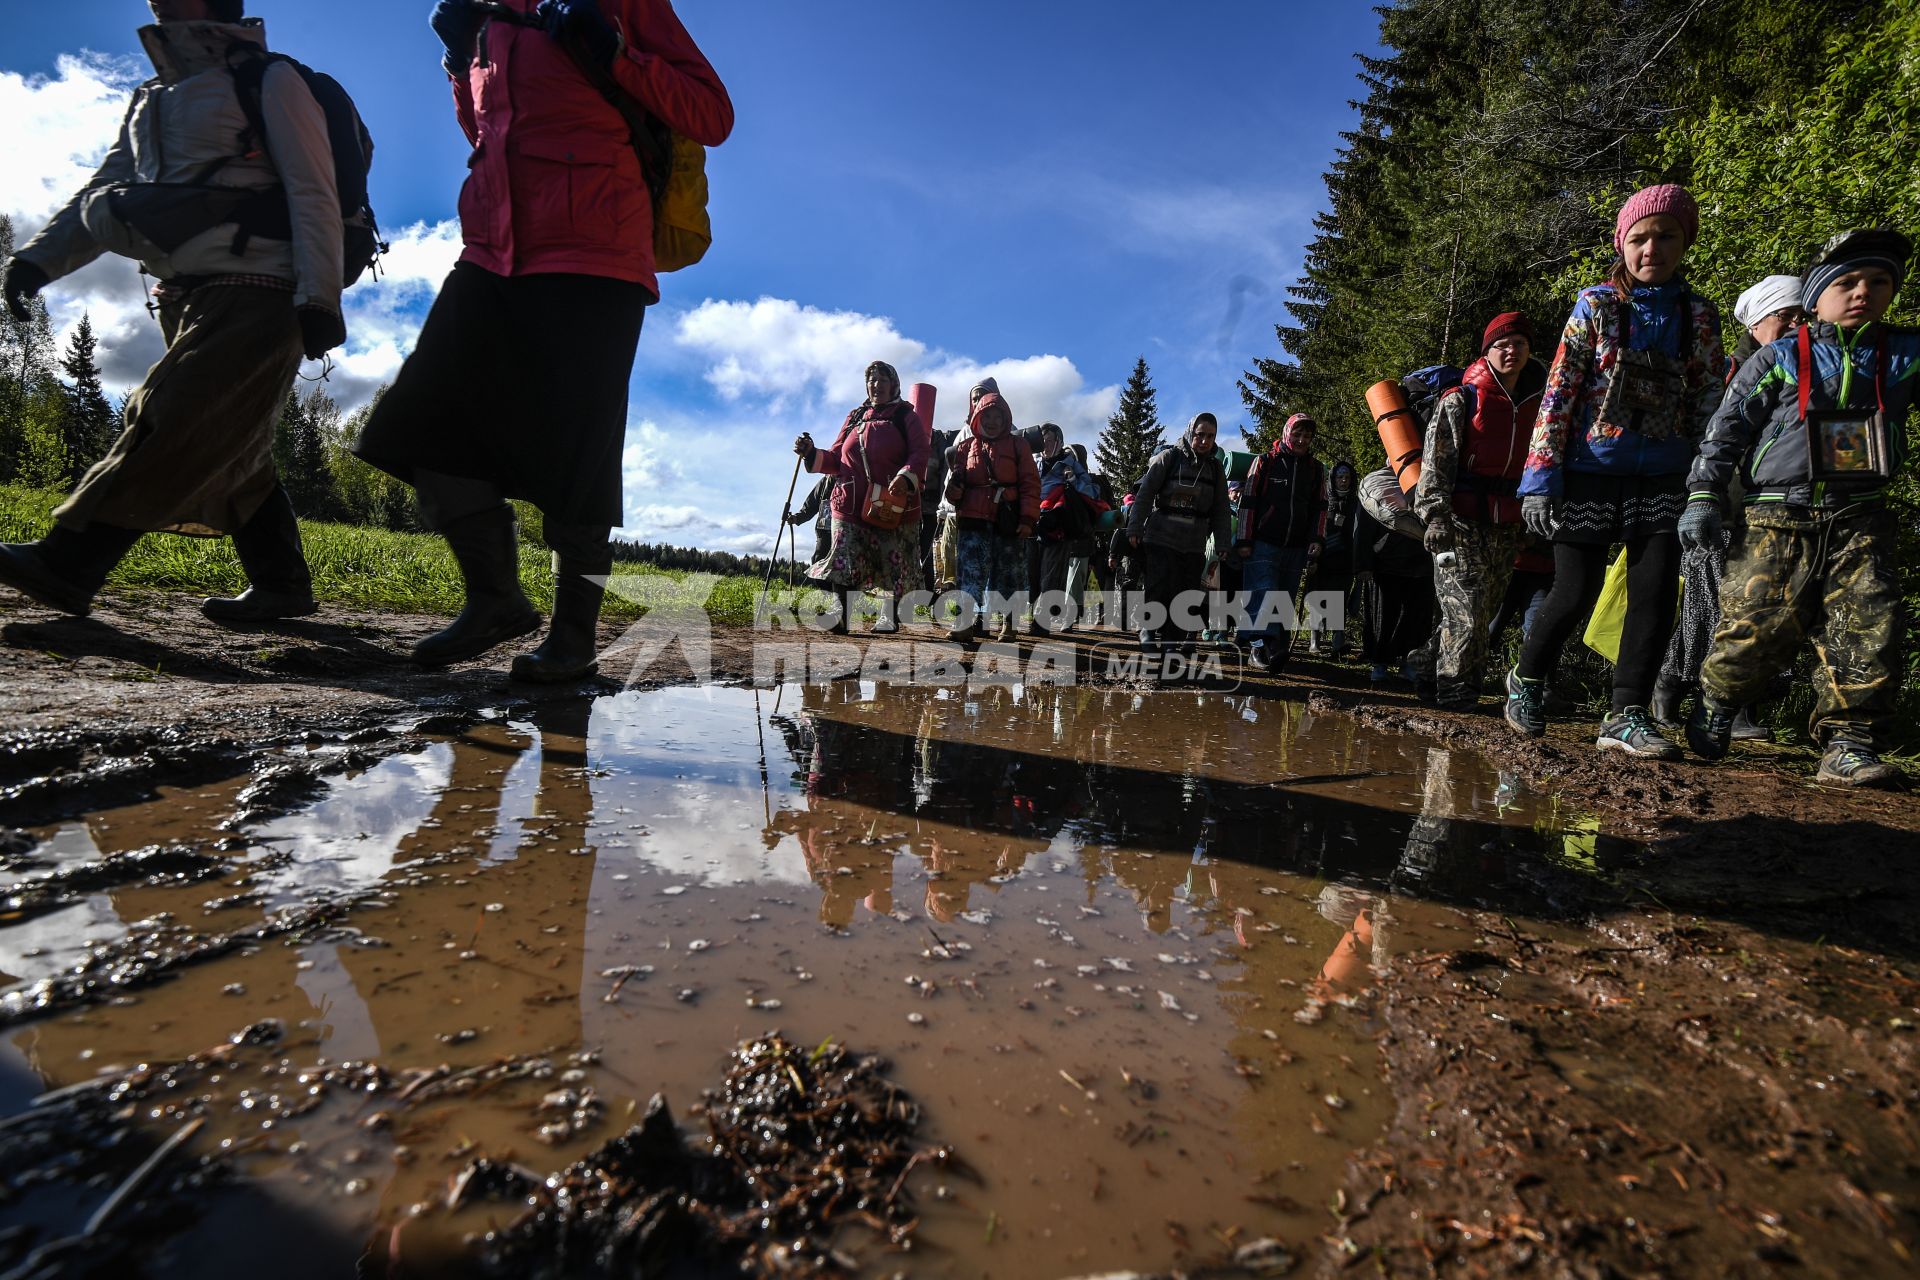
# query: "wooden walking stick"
[[786, 509]]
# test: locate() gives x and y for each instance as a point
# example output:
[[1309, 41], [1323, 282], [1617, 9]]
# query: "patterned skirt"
[[1601, 510], [864, 558]]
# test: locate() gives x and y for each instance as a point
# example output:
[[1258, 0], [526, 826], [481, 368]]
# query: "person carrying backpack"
[[517, 387], [1815, 425], [238, 309], [1333, 569], [1470, 465], [1636, 378], [880, 461], [1182, 502], [995, 491], [1283, 519], [1066, 493]]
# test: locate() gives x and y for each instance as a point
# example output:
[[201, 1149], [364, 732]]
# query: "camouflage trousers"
[[1468, 594], [1796, 576]]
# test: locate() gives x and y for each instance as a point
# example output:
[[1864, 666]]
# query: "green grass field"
[[352, 565]]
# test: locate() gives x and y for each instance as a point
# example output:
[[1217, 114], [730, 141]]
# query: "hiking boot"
[[1634, 732], [1850, 764], [968, 634], [1747, 729], [1526, 704], [1147, 639], [1668, 695], [844, 620], [497, 610], [260, 604], [1710, 729], [1006, 631], [1455, 695], [569, 652], [65, 568]]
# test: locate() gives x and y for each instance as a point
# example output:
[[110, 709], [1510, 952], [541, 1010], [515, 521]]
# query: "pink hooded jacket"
[[554, 184]]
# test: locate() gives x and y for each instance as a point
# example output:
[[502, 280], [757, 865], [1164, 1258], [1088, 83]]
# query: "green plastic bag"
[[1610, 610]]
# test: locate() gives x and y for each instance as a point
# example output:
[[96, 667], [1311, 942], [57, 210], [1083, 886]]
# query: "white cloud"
[[790, 357], [58, 130]]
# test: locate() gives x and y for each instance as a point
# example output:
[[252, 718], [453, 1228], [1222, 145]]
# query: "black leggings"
[[1579, 570]]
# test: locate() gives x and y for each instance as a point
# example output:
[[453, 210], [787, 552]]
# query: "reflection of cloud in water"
[[53, 943], [685, 765], [348, 839]]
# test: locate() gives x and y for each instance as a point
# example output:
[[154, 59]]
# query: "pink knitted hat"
[[1668, 197]]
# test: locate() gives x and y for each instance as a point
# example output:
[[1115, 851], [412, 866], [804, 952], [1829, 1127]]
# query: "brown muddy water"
[[1116, 945]]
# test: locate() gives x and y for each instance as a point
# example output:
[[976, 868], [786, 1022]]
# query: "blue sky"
[[1040, 190]]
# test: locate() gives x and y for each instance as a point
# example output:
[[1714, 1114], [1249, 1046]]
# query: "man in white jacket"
[[238, 308]]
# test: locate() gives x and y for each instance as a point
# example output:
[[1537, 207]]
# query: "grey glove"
[[1439, 534], [1700, 525], [1536, 512]]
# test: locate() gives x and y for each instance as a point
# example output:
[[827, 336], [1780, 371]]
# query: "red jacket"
[[1493, 448], [896, 441], [982, 466], [554, 184]]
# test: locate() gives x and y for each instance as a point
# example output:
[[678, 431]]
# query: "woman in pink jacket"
[[518, 385], [880, 458]]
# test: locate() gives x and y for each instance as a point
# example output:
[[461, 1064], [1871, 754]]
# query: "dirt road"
[[1708, 1065]]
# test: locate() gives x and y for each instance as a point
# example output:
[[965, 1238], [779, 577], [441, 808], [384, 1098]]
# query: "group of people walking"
[[1760, 483], [554, 281]]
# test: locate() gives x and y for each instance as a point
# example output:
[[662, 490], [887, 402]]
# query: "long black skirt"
[[520, 380]]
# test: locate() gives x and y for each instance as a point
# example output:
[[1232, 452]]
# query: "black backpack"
[[267, 215]]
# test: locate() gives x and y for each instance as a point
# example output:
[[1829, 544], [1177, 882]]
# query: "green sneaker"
[[1848, 764], [1634, 732], [1526, 704]]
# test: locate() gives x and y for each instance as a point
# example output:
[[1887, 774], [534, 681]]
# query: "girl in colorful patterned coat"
[[1636, 378]]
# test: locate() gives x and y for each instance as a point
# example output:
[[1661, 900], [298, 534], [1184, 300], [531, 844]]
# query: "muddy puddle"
[[1117, 947]]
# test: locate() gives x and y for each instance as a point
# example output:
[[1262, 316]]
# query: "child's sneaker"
[[1526, 704], [1634, 732], [1848, 764]]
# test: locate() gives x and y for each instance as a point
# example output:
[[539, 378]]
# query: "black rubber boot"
[[281, 585], [571, 648], [1746, 729], [65, 568], [845, 620], [1668, 695], [497, 610]]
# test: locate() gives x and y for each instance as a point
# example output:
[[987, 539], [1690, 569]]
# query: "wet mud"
[[1291, 978]]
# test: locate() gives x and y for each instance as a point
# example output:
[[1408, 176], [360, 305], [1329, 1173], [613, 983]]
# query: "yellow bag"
[[1610, 610], [682, 231], [946, 550]]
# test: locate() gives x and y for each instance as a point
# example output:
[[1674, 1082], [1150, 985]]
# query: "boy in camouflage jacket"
[[1817, 560]]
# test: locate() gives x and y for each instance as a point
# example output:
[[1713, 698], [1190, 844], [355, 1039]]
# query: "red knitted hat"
[[1668, 197], [1507, 322]]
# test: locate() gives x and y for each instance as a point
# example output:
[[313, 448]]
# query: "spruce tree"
[[28, 389], [1132, 435], [88, 427]]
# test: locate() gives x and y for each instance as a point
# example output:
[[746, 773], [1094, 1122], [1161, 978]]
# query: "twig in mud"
[[139, 1176]]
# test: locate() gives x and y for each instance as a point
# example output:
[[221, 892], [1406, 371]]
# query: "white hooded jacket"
[[179, 124]]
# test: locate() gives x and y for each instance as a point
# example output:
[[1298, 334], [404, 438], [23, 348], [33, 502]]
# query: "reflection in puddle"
[[1117, 945]]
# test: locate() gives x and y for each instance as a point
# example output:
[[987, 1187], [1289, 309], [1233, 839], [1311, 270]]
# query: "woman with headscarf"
[[994, 487], [880, 459]]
